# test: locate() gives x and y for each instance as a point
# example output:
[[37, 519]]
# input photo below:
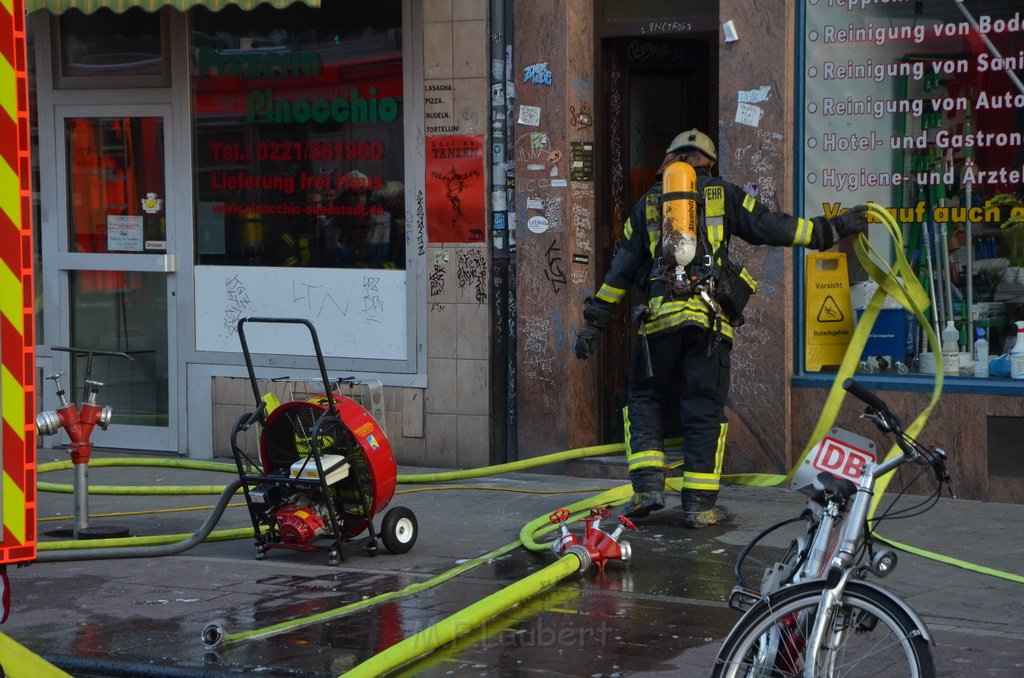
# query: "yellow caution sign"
[[829, 315]]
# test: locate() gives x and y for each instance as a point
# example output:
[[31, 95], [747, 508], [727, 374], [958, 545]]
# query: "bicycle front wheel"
[[868, 634]]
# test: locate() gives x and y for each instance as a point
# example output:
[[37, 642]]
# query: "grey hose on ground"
[[197, 538]]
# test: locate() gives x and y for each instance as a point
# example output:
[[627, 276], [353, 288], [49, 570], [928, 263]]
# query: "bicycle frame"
[[835, 549], [844, 562]]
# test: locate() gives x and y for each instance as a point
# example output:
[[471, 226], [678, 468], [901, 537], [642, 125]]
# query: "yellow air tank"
[[678, 213], [251, 231]]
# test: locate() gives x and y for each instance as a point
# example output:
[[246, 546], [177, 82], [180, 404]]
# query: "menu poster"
[[455, 189]]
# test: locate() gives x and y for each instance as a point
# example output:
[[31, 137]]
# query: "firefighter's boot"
[[648, 493], [700, 510]]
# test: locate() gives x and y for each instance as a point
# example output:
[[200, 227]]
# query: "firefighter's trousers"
[[690, 371]]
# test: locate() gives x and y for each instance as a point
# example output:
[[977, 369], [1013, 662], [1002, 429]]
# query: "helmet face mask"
[[693, 139]]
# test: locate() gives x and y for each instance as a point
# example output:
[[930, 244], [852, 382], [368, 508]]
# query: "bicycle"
[[813, 614]]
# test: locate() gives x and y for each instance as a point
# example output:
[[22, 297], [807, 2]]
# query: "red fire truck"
[[17, 327]]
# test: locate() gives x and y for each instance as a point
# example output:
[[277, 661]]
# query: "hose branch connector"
[[598, 546]]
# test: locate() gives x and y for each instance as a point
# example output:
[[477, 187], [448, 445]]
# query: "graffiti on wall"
[[617, 179], [471, 273], [760, 160], [554, 271], [436, 276], [537, 357]]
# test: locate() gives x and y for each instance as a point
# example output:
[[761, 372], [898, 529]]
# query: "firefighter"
[[693, 301]]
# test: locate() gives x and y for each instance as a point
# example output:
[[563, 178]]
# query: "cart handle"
[[316, 347]]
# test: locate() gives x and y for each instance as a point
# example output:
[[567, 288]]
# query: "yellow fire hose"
[[469, 618], [18, 662]]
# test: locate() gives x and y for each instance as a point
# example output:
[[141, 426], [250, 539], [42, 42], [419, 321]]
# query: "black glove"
[[851, 222], [596, 312], [597, 315], [586, 341]]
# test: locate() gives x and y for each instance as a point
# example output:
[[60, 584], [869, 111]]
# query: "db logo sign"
[[841, 459]]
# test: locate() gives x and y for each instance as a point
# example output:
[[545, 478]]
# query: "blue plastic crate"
[[892, 335]]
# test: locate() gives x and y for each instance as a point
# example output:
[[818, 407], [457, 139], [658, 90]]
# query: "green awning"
[[117, 6]]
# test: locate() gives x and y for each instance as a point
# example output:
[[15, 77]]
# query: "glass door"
[[117, 267]]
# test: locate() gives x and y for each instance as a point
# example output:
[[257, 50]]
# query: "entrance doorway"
[[116, 268], [655, 88]]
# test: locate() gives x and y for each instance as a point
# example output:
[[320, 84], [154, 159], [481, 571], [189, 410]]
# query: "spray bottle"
[[980, 352], [951, 350], [1017, 353]]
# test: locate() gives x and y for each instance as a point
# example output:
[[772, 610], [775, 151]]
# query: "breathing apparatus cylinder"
[[679, 215], [251, 231]]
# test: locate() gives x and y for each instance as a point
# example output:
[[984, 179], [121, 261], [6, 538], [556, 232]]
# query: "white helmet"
[[693, 139]]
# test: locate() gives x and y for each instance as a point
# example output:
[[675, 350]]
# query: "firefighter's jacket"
[[728, 211]]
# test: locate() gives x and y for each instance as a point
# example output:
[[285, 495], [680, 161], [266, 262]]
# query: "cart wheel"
[[398, 530]]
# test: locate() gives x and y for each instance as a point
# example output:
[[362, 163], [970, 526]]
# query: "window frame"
[[64, 81]]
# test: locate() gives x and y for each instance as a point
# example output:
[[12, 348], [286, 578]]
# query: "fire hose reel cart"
[[325, 470]]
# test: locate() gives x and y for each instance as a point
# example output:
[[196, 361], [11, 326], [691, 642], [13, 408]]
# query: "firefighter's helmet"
[[693, 139]]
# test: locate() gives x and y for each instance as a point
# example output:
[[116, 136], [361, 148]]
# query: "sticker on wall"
[[755, 96], [529, 115], [537, 224], [498, 200], [151, 204], [455, 189], [748, 114], [534, 203], [537, 74]]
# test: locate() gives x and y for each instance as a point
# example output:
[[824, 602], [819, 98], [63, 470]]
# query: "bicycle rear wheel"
[[868, 635]]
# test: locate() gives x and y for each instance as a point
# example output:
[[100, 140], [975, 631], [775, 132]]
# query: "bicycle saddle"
[[827, 486]]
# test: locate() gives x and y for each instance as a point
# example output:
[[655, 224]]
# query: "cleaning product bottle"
[[980, 352], [1017, 353], [951, 350]]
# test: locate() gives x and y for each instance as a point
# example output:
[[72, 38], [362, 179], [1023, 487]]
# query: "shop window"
[[917, 107], [299, 156], [106, 49]]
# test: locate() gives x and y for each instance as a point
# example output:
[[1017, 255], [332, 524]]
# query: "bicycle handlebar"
[[851, 386], [887, 421], [878, 411]]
